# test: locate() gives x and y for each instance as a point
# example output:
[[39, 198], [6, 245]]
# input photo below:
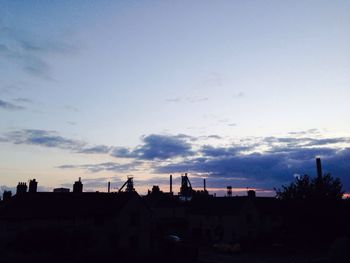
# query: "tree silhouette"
[[307, 188]]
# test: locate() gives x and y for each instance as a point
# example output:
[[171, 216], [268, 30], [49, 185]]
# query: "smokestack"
[[109, 187], [229, 191], [319, 167], [204, 185], [171, 184], [78, 186], [33, 185]]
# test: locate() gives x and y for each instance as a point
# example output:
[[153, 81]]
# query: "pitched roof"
[[64, 205]]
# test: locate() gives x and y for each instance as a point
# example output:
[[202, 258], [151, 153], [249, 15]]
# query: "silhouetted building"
[[251, 193], [21, 188], [61, 190], [229, 191], [128, 185], [119, 220], [78, 186], [33, 185], [186, 188], [230, 220]]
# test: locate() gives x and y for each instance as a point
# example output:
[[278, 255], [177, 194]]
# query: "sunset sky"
[[243, 93]]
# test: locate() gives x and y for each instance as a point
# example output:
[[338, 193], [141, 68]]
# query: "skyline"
[[242, 94]]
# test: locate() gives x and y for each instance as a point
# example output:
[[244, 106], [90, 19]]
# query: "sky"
[[242, 93]]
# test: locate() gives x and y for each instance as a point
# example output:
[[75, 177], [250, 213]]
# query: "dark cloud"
[[123, 152], [159, 147], [107, 166], [96, 149], [43, 138], [265, 170], [51, 139], [293, 142], [10, 106], [211, 151]]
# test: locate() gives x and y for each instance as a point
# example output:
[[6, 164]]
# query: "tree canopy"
[[307, 188]]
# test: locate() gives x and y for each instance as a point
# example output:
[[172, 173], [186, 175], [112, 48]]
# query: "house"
[[115, 221], [170, 214], [232, 219]]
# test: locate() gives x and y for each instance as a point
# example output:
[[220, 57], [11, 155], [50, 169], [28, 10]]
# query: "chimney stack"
[[171, 184], [204, 185], [229, 191], [78, 186], [21, 188], [33, 185], [319, 167], [251, 193], [109, 187]]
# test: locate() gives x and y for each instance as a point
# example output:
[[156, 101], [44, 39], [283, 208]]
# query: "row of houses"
[[126, 221]]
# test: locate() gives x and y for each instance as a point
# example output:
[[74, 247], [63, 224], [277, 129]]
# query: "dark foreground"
[[338, 251]]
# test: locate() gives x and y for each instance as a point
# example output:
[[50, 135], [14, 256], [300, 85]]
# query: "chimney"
[[251, 193], [78, 186], [319, 167], [109, 187], [33, 185], [171, 184], [229, 191], [21, 188], [204, 185]]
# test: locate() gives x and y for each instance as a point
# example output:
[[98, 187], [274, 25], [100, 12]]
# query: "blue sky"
[[245, 93]]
